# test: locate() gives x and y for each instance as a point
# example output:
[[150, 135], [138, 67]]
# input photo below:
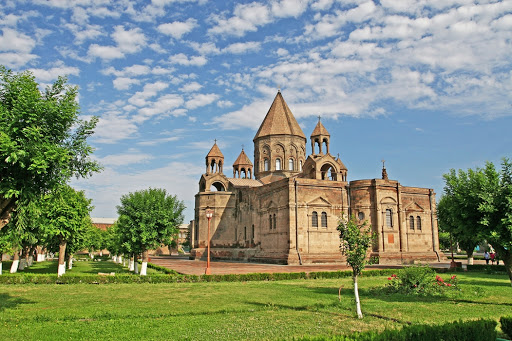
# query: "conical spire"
[[215, 151], [320, 129], [242, 159], [279, 120]]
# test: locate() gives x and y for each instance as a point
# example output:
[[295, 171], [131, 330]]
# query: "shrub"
[[506, 325], [419, 280]]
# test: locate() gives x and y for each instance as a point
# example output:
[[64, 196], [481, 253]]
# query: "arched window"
[[300, 165], [275, 223], [252, 234], [270, 221], [418, 222], [290, 164], [389, 217], [411, 222], [266, 165], [236, 234], [278, 164], [245, 233], [314, 220], [324, 219]]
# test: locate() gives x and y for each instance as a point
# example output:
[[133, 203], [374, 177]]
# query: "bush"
[[487, 268], [418, 280], [506, 325], [482, 330]]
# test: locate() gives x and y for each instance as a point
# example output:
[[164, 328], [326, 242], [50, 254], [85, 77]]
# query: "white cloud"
[[14, 41], [163, 105], [113, 127], [178, 29], [289, 8], [124, 159], [205, 48], [16, 59], [46, 75], [182, 59], [124, 83], [224, 104], [191, 87], [239, 48], [150, 90], [200, 100], [246, 18], [128, 41]]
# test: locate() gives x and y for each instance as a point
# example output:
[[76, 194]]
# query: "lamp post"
[[209, 215]]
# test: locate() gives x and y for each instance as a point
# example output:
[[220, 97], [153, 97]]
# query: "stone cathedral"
[[284, 208]]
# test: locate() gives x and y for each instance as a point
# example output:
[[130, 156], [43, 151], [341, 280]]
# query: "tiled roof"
[[108, 221], [279, 120], [215, 151], [320, 130], [242, 159], [238, 182]]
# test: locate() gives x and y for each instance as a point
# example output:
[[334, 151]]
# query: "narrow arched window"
[[278, 164], [290, 164], [236, 234], [252, 234], [266, 165], [300, 165], [270, 221], [245, 233], [418, 222], [324, 219], [314, 219], [275, 222], [389, 217], [411, 222]]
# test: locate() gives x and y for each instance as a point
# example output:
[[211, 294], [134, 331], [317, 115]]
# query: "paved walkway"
[[183, 265]]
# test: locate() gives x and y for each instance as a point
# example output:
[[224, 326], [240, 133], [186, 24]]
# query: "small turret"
[[242, 166], [319, 136], [214, 160]]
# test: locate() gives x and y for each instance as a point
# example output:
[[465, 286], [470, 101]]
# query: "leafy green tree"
[[496, 209], [355, 241], [66, 218], [458, 209], [42, 140], [148, 219], [5, 245], [95, 238]]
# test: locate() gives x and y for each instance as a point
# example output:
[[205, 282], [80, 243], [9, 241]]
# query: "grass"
[[234, 311], [79, 267]]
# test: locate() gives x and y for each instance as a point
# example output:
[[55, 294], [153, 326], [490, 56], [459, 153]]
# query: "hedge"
[[481, 330], [506, 325]]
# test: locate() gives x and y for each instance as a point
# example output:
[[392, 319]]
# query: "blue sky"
[[425, 85]]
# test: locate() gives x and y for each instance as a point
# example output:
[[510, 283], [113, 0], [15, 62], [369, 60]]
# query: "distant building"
[[103, 223], [285, 207]]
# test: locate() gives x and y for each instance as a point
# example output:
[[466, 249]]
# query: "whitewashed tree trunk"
[[470, 260], [1, 265], [144, 267], [101, 253], [62, 263], [114, 259], [131, 266], [30, 260], [119, 259], [15, 262], [70, 262], [40, 257], [22, 264], [358, 302]]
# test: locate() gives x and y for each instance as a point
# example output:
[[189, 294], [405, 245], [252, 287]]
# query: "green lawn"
[[233, 311]]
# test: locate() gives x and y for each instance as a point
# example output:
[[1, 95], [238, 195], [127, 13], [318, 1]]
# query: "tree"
[[355, 240], [148, 219], [42, 140], [65, 215], [95, 238], [458, 211], [496, 210]]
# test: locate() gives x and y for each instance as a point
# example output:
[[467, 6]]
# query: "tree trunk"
[[15, 262], [507, 261], [120, 259], [144, 267], [40, 254], [23, 259], [70, 262], [469, 252], [7, 206], [131, 266], [1, 265], [358, 302], [135, 264], [31, 255], [62, 253]]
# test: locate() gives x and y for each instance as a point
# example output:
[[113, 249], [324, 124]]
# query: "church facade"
[[285, 207]]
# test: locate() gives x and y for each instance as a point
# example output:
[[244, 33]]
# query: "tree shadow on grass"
[[46, 267], [8, 302], [379, 293], [104, 266]]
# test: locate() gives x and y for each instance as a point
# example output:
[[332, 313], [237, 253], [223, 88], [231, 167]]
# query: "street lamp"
[[209, 215]]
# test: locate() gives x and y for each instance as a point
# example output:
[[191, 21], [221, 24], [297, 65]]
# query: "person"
[[486, 257], [492, 257]]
